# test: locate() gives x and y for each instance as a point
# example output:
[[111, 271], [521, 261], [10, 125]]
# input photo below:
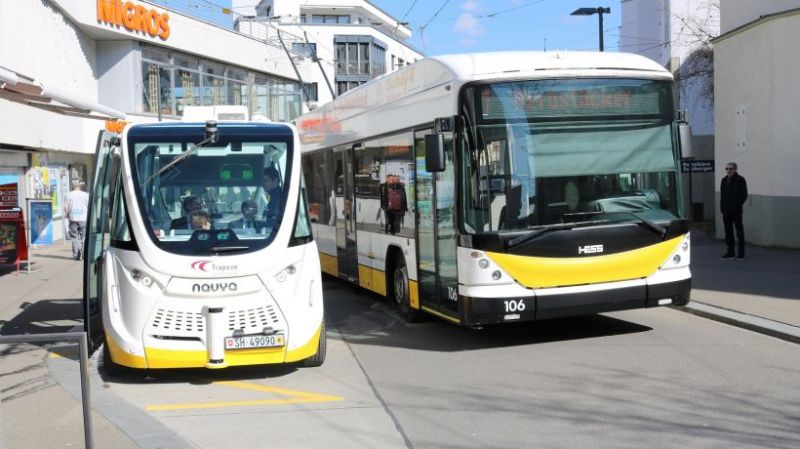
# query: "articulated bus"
[[193, 258], [504, 187]]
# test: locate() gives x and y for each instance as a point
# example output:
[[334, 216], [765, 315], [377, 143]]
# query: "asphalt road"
[[657, 378]]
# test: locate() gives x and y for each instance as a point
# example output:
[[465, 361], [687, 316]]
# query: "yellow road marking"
[[295, 397]]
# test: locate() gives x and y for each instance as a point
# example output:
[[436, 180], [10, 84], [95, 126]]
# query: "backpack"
[[395, 198]]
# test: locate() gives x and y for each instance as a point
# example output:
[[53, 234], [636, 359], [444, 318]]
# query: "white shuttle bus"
[[503, 187], [199, 250]]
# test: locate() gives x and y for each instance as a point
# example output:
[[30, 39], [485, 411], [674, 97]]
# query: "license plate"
[[254, 341]]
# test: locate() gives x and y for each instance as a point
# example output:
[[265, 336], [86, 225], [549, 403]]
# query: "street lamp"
[[588, 12]]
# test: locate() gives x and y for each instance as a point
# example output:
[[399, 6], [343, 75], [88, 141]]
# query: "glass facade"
[[172, 81], [358, 60]]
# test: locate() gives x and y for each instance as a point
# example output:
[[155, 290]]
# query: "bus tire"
[[400, 291], [111, 368], [319, 358]]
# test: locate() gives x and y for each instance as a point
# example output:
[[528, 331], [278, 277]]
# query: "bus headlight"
[[289, 270], [142, 278], [483, 263], [680, 258], [496, 275]]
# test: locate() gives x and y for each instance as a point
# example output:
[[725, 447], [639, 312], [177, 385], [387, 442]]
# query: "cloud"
[[468, 25]]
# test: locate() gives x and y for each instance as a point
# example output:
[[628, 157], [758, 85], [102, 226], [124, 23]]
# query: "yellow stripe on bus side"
[[329, 264], [542, 272], [413, 291]]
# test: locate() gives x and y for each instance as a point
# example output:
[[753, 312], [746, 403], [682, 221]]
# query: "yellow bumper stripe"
[[121, 357], [542, 272]]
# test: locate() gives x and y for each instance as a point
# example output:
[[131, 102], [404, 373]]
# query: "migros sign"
[[133, 17]]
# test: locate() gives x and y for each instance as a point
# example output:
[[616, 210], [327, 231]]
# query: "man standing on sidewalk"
[[76, 207], [733, 193]]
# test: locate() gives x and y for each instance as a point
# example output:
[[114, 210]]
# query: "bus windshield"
[[224, 198], [550, 152]]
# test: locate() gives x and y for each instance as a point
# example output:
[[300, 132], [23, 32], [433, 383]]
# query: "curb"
[[753, 323]]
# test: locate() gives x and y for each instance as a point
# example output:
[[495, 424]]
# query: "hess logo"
[[590, 249]]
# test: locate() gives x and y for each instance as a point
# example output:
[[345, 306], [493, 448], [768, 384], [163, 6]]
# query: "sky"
[[461, 26]]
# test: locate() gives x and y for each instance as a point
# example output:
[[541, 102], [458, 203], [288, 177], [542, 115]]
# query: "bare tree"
[[696, 31]]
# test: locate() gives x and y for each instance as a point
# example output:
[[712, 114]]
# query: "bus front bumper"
[[572, 301]]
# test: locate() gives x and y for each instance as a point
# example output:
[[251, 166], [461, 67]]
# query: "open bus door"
[[97, 237]]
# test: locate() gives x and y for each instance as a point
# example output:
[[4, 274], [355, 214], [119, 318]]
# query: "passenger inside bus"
[[191, 204], [200, 219], [248, 222], [272, 188]]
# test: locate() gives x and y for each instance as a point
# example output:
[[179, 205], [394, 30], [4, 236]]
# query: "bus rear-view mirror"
[[685, 135], [434, 153]]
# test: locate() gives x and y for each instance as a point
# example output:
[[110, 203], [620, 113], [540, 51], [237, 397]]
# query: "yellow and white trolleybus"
[[193, 257], [499, 187]]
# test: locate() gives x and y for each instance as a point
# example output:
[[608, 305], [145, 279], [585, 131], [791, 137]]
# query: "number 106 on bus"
[[514, 305]]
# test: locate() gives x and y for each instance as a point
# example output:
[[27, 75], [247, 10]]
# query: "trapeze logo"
[[208, 266], [590, 249], [215, 287]]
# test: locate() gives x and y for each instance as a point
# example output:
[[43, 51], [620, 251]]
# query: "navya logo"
[[590, 249], [214, 287], [208, 266]]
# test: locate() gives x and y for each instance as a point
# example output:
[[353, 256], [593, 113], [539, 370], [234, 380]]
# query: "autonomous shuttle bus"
[[503, 187], [199, 250]]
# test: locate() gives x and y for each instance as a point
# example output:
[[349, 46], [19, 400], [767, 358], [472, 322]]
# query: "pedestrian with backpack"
[[394, 203]]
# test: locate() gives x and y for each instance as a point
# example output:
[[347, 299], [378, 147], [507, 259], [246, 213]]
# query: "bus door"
[[97, 237], [346, 249], [437, 238]]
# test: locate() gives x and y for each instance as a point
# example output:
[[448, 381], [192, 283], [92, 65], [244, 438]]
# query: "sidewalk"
[[40, 384], [760, 293]]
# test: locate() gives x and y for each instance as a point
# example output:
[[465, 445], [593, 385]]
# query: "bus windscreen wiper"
[[536, 233], [228, 249], [649, 224]]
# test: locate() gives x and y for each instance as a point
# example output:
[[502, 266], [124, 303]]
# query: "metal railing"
[[83, 353]]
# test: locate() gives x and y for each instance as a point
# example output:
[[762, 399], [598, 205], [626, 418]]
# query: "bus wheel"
[[111, 368], [318, 358], [400, 291]]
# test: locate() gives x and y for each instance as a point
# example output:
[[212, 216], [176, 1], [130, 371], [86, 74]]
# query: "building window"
[[237, 89], [329, 18], [378, 60], [344, 86], [172, 81], [359, 55], [311, 91], [305, 49]]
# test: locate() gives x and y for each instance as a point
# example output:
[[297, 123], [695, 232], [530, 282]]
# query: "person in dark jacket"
[[733, 193], [272, 188]]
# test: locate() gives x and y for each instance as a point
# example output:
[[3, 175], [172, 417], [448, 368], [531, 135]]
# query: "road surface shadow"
[[365, 318]]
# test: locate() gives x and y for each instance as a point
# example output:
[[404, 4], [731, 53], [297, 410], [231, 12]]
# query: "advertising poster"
[[77, 172], [41, 222], [8, 242], [9, 194], [12, 237], [55, 190]]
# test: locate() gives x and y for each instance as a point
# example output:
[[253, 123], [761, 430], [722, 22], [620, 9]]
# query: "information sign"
[[697, 166]]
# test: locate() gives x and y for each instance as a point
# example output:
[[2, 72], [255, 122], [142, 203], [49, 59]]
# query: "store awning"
[[25, 90]]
